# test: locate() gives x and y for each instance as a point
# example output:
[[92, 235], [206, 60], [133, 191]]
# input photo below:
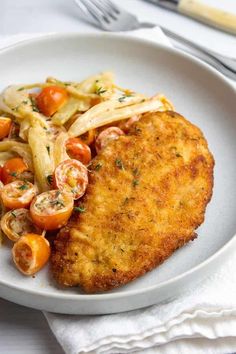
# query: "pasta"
[[49, 132], [41, 156]]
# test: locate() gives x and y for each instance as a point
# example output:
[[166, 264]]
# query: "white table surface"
[[23, 330]]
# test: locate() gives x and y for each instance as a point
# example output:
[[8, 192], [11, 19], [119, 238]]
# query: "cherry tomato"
[[111, 133], [51, 210], [51, 99], [30, 253], [17, 223], [12, 169], [18, 194], [5, 127], [78, 150], [71, 176], [1, 168]]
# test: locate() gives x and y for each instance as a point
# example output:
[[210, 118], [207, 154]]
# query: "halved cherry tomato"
[[18, 194], [51, 210], [78, 150], [50, 99], [12, 169], [111, 133], [30, 253], [17, 223], [5, 126], [71, 176]]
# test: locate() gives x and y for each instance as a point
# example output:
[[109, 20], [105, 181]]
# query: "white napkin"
[[200, 321]]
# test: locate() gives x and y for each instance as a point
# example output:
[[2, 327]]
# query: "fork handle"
[[209, 15]]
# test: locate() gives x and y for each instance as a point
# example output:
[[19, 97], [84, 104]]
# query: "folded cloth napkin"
[[202, 320]]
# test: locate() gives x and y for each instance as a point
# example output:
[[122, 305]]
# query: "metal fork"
[[108, 16]]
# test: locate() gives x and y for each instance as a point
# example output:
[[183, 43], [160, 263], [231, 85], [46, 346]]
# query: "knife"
[[200, 11]]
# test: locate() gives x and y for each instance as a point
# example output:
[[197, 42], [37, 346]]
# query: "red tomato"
[[30, 253], [106, 136], [71, 176], [78, 150], [50, 99], [5, 127], [13, 169], [18, 194], [51, 210]]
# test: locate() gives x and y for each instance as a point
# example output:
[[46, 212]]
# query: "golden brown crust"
[[147, 194]]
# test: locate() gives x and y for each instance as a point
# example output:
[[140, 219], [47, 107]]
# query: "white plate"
[[200, 94]]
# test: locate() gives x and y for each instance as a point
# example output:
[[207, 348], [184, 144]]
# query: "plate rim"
[[130, 37]]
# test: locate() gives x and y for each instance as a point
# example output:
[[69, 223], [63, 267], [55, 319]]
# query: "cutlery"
[[110, 17], [202, 12]]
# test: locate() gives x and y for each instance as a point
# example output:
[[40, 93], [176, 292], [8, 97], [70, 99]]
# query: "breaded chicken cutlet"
[[147, 194]]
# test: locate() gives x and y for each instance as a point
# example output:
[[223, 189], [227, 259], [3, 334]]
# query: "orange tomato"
[[51, 210], [17, 194], [12, 169], [78, 150], [17, 223], [5, 127], [71, 176], [111, 133], [30, 253], [50, 99]]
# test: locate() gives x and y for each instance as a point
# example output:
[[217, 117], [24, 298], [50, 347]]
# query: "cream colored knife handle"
[[207, 14]]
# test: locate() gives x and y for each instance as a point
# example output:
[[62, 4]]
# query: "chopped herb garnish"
[[74, 190], [20, 89], [57, 194], [143, 100], [25, 102], [99, 91], [98, 166], [13, 174], [135, 171], [126, 200], [57, 202], [119, 164], [23, 187], [33, 104], [121, 99], [49, 179], [48, 149], [13, 214], [79, 209], [138, 130], [114, 270], [96, 81], [135, 182], [124, 96]]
